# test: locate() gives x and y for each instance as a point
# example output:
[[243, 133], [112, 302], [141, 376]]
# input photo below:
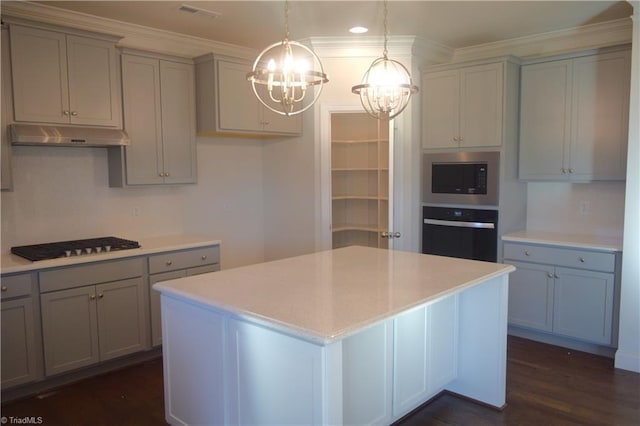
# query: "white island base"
[[368, 337]]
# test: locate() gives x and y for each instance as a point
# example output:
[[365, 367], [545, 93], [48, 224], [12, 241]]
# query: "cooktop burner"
[[73, 248]]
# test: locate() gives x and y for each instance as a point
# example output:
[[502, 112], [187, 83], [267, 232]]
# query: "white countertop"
[[328, 295], [10, 263], [593, 242]]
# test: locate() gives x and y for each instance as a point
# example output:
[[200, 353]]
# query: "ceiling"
[[454, 24]]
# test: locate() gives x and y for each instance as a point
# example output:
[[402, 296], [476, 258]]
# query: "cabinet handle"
[[571, 170], [564, 171], [549, 274], [204, 257], [65, 112], [74, 113], [167, 174], [92, 297], [169, 263], [4, 288], [556, 276], [526, 253], [582, 260], [101, 295], [455, 139]]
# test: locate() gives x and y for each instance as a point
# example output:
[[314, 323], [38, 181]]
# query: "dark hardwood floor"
[[546, 385]]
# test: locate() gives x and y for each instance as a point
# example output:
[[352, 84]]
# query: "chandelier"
[[285, 73], [387, 86]]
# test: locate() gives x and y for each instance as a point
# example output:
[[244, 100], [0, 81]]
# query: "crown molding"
[[361, 46], [592, 36], [132, 35]]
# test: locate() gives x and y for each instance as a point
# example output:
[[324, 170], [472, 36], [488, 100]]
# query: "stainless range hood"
[[32, 134]]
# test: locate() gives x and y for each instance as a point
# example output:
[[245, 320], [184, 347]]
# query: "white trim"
[[590, 36], [133, 36]]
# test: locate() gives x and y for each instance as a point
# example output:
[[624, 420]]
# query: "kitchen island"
[[348, 336]]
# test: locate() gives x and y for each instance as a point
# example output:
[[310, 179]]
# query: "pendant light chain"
[[286, 20], [386, 31]]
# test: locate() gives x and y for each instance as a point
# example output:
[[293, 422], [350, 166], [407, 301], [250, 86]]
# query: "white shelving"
[[359, 179]]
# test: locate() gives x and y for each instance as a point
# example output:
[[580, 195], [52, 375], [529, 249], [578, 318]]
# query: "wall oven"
[[461, 178], [462, 233]]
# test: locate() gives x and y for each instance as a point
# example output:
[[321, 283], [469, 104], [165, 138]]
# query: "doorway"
[[360, 192]]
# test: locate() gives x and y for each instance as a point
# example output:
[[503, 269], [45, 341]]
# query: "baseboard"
[[627, 360], [564, 342]]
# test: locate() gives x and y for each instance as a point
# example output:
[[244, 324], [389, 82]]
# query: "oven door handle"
[[460, 224]]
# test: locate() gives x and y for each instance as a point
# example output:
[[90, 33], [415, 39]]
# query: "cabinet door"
[[440, 109], [531, 292], [39, 68], [178, 104], [545, 120], [122, 318], [154, 299], [281, 124], [600, 126], [70, 329], [481, 106], [18, 342], [583, 305], [94, 92], [6, 180], [142, 119], [238, 108]]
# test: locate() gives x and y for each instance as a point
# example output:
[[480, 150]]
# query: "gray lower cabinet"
[[93, 313], [174, 265], [563, 291], [21, 341]]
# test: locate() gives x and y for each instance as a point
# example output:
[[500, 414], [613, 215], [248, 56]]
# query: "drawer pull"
[[4, 288], [526, 253], [169, 263], [204, 257], [582, 259]]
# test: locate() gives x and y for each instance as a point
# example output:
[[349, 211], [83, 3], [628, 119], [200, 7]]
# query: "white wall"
[[576, 208], [62, 193], [628, 354]]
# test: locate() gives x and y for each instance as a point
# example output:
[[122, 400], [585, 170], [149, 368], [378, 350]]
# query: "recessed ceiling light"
[[358, 30]]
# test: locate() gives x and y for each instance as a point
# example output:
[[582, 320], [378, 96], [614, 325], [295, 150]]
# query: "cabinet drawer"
[[91, 273], [184, 259], [16, 285], [572, 258]]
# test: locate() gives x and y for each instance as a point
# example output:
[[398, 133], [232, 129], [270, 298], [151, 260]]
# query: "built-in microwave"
[[461, 178]]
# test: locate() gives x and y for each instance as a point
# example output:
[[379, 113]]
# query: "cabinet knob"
[[556, 276], [396, 235], [74, 113], [549, 274], [455, 139], [4, 288], [65, 112], [92, 297], [571, 170], [582, 260], [204, 257], [101, 295], [384, 234], [527, 253], [167, 174], [169, 263], [564, 171]]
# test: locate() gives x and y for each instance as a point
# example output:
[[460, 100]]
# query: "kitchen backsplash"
[[576, 208]]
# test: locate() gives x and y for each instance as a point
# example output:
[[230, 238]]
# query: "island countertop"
[[328, 295]]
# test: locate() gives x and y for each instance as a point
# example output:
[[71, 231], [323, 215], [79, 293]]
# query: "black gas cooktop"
[[73, 248]]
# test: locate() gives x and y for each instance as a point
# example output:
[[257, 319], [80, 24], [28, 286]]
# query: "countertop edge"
[[563, 241], [11, 264]]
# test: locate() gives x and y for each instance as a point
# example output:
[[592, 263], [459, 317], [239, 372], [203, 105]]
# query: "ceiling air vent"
[[200, 12]]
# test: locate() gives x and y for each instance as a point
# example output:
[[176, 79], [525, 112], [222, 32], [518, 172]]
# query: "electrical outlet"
[[584, 207]]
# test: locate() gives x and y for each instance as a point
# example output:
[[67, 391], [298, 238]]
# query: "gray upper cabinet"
[[5, 103], [574, 118], [61, 78], [159, 117], [463, 106], [228, 106]]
